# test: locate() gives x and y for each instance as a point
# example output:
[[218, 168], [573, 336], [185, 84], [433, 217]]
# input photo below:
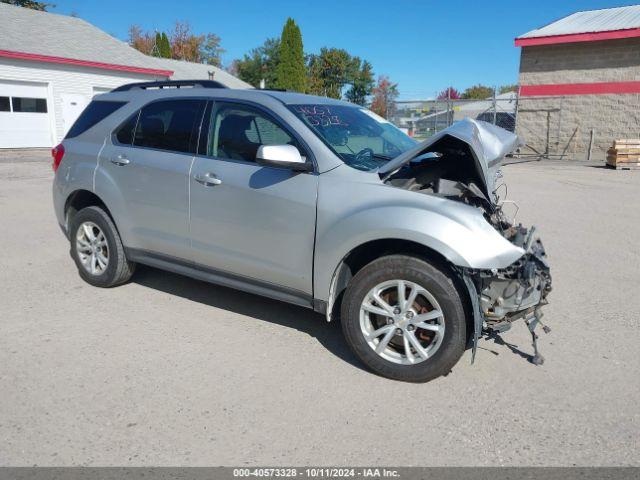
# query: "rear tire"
[[97, 249], [431, 313]]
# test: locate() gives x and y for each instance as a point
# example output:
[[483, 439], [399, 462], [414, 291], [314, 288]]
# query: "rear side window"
[[95, 112], [4, 104], [170, 125]]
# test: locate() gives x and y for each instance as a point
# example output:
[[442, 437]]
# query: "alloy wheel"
[[92, 248], [402, 322]]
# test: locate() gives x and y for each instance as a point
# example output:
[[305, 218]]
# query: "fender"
[[459, 233], [469, 243], [70, 177], [356, 207]]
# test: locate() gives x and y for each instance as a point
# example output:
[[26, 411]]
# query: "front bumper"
[[517, 291], [501, 296]]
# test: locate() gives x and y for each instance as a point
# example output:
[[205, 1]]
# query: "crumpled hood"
[[488, 143]]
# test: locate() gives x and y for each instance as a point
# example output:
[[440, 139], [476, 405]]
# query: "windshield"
[[362, 139]]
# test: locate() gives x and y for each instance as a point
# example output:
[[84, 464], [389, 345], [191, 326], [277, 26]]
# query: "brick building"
[[580, 82]]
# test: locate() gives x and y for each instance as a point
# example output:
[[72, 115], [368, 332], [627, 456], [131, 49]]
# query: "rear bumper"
[[58, 195]]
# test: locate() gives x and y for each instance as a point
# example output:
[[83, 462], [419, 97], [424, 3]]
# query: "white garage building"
[[52, 65]]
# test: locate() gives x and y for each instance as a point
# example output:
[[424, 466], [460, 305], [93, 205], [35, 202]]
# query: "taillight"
[[57, 153]]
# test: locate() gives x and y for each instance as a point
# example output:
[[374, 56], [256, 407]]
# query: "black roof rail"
[[170, 84]]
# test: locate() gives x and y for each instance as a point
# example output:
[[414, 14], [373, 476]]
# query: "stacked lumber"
[[624, 154]]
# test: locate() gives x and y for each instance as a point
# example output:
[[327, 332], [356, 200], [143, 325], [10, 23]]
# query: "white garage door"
[[24, 117]]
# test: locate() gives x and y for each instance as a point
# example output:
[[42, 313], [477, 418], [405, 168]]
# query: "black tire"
[[118, 269], [439, 284]]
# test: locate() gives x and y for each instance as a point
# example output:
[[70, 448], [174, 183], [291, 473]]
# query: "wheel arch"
[[367, 252], [79, 199]]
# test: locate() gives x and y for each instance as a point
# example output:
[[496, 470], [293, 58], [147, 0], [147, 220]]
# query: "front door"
[[254, 222], [148, 163]]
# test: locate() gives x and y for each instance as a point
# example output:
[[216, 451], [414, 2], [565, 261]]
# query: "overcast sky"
[[424, 46]]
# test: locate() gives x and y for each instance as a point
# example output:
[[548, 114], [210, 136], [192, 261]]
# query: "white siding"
[[67, 79]]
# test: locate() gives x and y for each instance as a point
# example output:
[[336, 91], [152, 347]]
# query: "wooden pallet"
[[624, 154], [631, 150], [626, 141], [624, 166]]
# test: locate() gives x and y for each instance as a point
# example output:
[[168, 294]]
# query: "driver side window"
[[237, 131]]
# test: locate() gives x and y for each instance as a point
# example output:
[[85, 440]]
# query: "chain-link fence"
[[574, 126], [423, 118]]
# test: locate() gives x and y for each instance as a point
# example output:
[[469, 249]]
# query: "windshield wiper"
[[383, 157]]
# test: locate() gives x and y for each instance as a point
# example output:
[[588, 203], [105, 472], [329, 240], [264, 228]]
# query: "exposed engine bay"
[[449, 167]]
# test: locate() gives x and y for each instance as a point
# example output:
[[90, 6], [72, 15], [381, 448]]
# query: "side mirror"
[[283, 156]]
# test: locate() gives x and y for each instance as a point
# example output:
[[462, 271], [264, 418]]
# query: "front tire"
[[404, 319], [97, 249]]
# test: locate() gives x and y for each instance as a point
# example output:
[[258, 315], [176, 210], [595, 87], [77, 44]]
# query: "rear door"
[[146, 168], [254, 222]]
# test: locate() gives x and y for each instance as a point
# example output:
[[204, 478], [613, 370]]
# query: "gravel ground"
[[171, 371]]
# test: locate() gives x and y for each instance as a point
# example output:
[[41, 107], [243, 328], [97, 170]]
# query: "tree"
[[140, 40], [184, 45], [291, 71], [165, 46], [478, 92], [33, 5], [155, 50], [507, 88], [385, 94], [259, 64], [181, 44], [161, 47], [210, 50], [362, 84], [330, 71], [449, 93]]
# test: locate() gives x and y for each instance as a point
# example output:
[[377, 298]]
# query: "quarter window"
[[170, 125], [94, 113], [237, 131], [32, 105], [4, 104]]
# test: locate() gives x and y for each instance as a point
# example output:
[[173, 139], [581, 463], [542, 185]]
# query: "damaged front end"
[[462, 163], [516, 292]]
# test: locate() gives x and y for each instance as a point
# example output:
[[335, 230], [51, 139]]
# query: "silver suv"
[[308, 200]]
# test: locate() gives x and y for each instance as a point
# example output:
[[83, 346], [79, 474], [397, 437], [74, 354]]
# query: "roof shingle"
[[51, 35], [199, 71]]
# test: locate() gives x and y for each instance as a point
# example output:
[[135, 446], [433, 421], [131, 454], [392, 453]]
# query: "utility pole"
[[449, 119], [495, 113], [155, 50]]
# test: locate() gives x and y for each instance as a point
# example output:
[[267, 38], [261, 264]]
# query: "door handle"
[[120, 160], [208, 179]]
